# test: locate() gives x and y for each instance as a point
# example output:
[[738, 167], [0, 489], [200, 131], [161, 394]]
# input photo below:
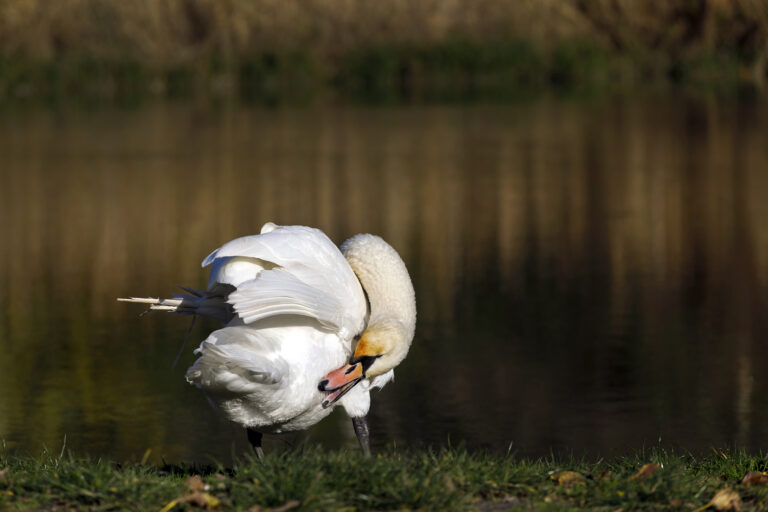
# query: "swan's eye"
[[365, 361]]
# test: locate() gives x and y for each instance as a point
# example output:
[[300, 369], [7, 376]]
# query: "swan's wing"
[[305, 252], [300, 271], [274, 243], [280, 292]]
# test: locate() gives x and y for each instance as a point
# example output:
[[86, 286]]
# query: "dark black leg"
[[363, 434], [254, 437]]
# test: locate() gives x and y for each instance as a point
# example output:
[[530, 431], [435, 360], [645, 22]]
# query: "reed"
[[263, 47]]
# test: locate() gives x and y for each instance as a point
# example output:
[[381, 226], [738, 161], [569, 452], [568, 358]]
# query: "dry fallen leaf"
[[200, 499], [168, 506], [645, 471], [567, 478], [4, 476], [755, 478], [195, 483], [195, 497], [724, 499]]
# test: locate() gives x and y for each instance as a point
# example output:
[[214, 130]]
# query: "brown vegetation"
[[212, 40], [173, 31], [671, 29]]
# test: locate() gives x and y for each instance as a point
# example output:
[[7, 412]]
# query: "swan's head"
[[392, 316], [381, 347]]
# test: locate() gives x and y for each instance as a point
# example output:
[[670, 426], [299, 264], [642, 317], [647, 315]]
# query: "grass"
[[430, 480]]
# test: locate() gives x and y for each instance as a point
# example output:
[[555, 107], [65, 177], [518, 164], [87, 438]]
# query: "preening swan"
[[307, 327]]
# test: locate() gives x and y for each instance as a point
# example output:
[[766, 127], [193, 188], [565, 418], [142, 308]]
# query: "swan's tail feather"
[[212, 303], [175, 305], [191, 291]]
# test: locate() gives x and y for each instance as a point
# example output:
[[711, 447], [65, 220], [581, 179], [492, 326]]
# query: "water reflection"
[[590, 276]]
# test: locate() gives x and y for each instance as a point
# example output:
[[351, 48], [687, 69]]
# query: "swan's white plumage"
[[292, 306], [278, 291], [298, 306], [311, 277]]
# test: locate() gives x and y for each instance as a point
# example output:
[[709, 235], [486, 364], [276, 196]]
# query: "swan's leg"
[[363, 434], [254, 437]]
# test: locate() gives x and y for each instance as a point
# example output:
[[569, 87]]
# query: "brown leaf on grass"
[[645, 471], [568, 478], [195, 497], [200, 499], [195, 483], [4, 476], [725, 499], [751, 478]]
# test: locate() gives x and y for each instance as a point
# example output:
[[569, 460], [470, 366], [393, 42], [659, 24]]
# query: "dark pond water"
[[592, 277]]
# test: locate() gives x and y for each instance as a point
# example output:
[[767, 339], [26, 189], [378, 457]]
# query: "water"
[[591, 276]]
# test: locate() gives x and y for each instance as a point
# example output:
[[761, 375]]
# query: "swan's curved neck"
[[392, 300], [385, 280]]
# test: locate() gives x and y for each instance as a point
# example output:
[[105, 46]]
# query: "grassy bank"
[[443, 480], [262, 49]]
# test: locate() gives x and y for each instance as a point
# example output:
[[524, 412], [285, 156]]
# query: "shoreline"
[[454, 479], [451, 72]]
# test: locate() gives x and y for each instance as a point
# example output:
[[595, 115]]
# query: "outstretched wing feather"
[[278, 292], [310, 277]]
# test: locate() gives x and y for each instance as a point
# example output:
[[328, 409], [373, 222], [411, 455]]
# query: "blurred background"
[[578, 188]]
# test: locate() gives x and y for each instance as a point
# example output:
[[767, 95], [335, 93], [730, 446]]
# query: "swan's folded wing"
[[323, 285], [278, 292]]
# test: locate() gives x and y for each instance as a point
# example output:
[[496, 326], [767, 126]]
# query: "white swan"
[[299, 336]]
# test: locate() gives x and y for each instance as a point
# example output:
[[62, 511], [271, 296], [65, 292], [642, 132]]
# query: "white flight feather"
[[276, 292], [290, 270]]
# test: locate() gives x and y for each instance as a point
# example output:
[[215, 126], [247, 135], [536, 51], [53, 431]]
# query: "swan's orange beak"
[[338, 382]]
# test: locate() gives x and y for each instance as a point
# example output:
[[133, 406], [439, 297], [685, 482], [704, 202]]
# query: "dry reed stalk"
[[162, 34]]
